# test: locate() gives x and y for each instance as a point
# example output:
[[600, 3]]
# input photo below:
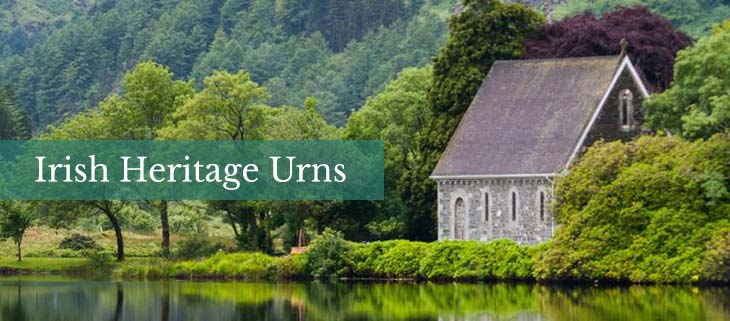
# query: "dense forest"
[[403, 72], [63, 57], [339, 52]]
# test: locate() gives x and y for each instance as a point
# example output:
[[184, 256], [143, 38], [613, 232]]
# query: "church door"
[[459, 218]]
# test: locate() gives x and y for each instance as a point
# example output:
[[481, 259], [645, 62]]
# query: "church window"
[[459, 218], [626, 110], [542, 206], [514, 206], [486, 206]]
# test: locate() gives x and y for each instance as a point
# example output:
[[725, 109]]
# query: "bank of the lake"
[[331, 257]]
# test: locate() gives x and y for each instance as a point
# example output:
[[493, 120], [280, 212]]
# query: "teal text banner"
[[191, 170]]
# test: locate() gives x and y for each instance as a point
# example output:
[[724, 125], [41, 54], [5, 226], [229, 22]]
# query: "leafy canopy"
[[653, 42], [642, 211], [697, 105]]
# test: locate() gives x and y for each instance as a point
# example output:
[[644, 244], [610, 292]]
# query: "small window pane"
[[514, 206], [486, 206]]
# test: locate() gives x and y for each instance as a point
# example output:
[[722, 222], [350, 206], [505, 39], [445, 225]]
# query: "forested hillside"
[[338, 52]]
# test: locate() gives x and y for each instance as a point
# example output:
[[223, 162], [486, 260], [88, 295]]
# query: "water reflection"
[[63, 299]]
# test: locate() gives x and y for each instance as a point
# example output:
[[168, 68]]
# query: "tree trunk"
[[165, 229], [20, 255], [118, 232], [253, 231], [233, 223]]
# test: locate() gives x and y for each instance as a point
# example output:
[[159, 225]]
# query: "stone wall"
[[528, 225]]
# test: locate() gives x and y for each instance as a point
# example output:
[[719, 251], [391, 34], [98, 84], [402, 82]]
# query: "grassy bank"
[[10, 265]]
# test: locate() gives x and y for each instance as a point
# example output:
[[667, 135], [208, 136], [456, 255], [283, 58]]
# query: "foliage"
[[14, 122], [698, 103], [641, 211], [231, 106], [197, 247], [249, 266], [653, 42], [332, 50], [487, 30], [397, 115], [326, 255], [99, 260], [716, 264], [78, 242], [447, 260], [15, 218], [695, 17]]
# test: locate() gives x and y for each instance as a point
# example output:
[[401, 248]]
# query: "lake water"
[[56, 298]]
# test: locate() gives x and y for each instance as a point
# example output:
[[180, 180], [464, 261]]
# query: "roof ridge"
[[617, 57]]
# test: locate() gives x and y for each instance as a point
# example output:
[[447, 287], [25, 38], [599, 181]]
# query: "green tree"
[[397, 116], [150, 96], [14, 122], [697, 105], [91, 125], [487, 30], [15, 218], [230, 107]]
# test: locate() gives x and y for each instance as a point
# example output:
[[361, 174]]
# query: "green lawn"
[[43, 264]]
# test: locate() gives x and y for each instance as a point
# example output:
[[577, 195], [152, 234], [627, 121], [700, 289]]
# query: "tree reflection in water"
[[65, 299]]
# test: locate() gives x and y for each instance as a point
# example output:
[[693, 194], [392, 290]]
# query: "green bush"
[[78, 242], [366, 257], [328, 255], [440, 259], [716, 265], [401, 260], [289, 267], [197, 247], [497, 260], [642, 211], [99, 260]]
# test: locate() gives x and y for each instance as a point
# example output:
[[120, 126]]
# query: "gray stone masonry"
[[492, 219]]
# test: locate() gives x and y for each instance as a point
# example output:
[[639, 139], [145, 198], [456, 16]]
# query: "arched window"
[[514, 206], [486, 207], [542, 205], [459, 218], [626, 110]]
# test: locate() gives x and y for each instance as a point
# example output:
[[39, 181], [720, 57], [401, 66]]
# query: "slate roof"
[[528, 117]]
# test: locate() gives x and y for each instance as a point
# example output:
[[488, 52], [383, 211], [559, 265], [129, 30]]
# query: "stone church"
[[529, 120]]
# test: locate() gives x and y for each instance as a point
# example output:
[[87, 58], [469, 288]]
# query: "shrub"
[[198, 247], [438, 262], [327, 256], [99, 260], [500, 259], [716, 265], [78, 242], [401, 260], [289, 267], [641, 211], [365, 257]]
